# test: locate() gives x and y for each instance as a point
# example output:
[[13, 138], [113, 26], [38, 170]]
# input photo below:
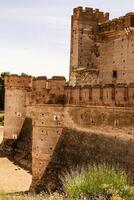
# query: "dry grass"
[[31, 197]]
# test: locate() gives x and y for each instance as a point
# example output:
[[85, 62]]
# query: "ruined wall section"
[[84, 48], [16, 88]]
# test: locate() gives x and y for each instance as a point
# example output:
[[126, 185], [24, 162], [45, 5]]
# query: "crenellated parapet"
[[90, 14], [46, 90], [16, 81], [125, 23], [101, 95]]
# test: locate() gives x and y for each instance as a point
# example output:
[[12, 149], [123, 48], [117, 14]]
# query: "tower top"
[[90, 14]]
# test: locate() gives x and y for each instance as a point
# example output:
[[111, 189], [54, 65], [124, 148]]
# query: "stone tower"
[[16, 88], [84, 49]]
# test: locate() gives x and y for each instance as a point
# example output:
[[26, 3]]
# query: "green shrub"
[[97, 180]]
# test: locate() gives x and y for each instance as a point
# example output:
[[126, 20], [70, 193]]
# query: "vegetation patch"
[[99, 181]]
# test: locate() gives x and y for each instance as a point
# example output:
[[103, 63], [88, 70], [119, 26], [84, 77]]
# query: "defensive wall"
[[50, 111], [109, 132]]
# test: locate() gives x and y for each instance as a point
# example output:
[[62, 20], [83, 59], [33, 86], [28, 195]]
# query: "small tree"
[[2, 90]]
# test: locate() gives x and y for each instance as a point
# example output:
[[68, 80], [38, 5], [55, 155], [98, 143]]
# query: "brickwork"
[[15, 104], [101, 49]]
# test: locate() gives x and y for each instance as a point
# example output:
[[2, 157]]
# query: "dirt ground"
[[12, 177]]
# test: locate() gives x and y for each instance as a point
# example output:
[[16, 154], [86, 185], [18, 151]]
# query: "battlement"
[[101, 95], [42, 83], [17, 81], [46, 90], [125, 23], [91, 14]]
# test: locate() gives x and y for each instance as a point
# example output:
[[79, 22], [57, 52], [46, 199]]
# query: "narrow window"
[[114, 74]]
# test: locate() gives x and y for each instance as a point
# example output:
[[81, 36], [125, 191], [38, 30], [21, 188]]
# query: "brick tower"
[[84, 49]]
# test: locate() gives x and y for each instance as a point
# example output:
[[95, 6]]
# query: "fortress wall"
[[58, 140], [108, 119]]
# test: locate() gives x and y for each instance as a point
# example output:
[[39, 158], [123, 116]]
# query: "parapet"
[[17, 81], [40, 78], [90, 14], [125, 23]]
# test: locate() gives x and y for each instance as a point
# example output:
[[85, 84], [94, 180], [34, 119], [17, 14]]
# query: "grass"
[[98, 180]]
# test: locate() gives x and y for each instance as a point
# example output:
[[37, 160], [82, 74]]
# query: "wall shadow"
[[20, 151]]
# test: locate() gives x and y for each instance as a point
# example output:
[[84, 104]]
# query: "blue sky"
[[35, 34]]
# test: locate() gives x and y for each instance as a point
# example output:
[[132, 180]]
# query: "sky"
[[35, 34]]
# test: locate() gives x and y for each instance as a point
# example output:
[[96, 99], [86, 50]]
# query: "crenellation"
[[91, 14], [17, 81], [108, 94]]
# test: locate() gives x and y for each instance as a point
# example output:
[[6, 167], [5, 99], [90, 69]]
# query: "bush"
[[98, 180]]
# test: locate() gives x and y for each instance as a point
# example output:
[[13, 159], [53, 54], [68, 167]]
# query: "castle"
[[94, 111]]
